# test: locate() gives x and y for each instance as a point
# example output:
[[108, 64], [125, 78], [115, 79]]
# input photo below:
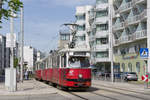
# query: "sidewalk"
[[29, 87], [123, 85]]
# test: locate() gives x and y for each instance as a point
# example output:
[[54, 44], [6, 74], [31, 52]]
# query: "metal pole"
[[12, 78], [12, 38], [111, 38], [22, 42]]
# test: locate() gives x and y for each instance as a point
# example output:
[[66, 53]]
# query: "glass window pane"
[[138, 67], [102, 54], [101, 1], [101, 13], [129, 67], [123, 67]]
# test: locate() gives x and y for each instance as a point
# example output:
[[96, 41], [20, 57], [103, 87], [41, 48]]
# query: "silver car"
[[130, 76]]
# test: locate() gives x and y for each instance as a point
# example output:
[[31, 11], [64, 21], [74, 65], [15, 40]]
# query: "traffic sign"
[[145, 78], [144, 53]]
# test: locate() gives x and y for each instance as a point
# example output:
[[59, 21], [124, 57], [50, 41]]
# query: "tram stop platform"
[[28, 87]]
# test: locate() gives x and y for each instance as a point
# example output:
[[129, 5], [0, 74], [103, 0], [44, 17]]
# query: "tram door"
[[63, 68]]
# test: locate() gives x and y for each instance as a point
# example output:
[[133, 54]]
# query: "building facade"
[[82, 22], [40, 55], [30, 57], [130, 28], [2, 53], [99, 36], [64, 37]]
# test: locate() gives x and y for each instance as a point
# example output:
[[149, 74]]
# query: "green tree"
[[16, 62], [7, 5]]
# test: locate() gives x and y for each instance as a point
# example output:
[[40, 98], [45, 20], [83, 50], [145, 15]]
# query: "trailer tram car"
[[65, 70]]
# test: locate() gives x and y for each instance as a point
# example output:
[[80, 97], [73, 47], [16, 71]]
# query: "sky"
[[43, 19]]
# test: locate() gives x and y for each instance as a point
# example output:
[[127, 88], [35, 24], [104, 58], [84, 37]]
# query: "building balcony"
[[131, 38], [136, 19], [91, 16], [137, 1], [91, 38], [118, 26], [124, 7], [99, 7], [88, 29], [80, 22], [140, 35], [102, 60], [100, 34], [101, 47], [101, 20]]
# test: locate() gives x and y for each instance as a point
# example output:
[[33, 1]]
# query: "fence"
[[118, 77]]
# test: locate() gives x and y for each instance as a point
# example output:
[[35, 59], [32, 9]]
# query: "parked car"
[[130, 76]]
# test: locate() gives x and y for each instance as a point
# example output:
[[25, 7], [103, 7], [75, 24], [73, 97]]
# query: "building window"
[[101, 1], [81, 28], [81, 38], [102, 54], [80, 17], [65, 37], [129, 67], [101, 13], [104, 40], [98, 41], [123, 67], [137, 67], [102, 27]]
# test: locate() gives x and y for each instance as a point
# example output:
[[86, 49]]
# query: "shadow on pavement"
[[91, 89]]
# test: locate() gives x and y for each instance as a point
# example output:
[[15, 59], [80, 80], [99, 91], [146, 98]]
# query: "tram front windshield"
[[79, 62]]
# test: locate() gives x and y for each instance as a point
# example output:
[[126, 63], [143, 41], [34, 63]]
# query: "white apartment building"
[[100, 35], [30, 57], [131, 28], [64, 37], [82, 21], [40, 55]]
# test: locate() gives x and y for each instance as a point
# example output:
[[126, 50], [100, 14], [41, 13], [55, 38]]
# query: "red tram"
[[65, 69]]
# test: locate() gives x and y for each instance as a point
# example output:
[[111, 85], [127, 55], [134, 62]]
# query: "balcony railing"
[[88, 29], [101, 34], [137, 1], [130, 38], [100, 47], [101, 6], [91, 38], [118, 26], [124, 7], [140, 34], [136, 18], [106, 59], [103, 19]]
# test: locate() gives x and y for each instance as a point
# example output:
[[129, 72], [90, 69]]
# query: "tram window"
[[76, 62], [65, 61], [51, 62], [58, 60], [62, 61]]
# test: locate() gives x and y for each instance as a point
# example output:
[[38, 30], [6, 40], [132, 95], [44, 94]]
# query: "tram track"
[[121, 93], [135, 95], [107, 89], [122, 89]]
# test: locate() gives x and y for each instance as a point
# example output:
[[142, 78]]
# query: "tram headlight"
[[80, 75], [71, 72]]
